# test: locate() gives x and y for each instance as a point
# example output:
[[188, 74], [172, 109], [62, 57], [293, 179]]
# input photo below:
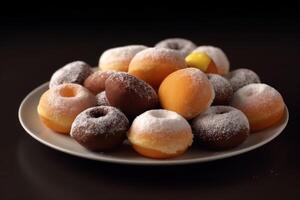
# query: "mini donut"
[[133, 96], [218, 57], [59, 105], [183, 46], [160, 134], [154, 64], [102, 99], [222, 87], [74, 72], [241, 77], [187, 92], [118, 59], [100, 128], [220, 127], [262, 104], [96, 81]]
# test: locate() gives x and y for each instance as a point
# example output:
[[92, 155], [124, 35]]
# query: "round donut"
[[133, 96], [59, 105], [160, 134], [74, 72], [222, 87], [96, 81], [183, 46], [218, 56], [154, 64], [118, 59], [220, 127], [241, 77], [102, 99], [100, 128], [187, 92], [262, 104]]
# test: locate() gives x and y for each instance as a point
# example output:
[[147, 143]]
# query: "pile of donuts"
[[161, 99]]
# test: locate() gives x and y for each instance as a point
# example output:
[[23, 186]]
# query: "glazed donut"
[[218, 56], [96, 81], [102, 99], [160, 134], [133, 96], [222, 87], [241, 77], [183, 46], [187, 92], [74, 72], [118, 59], [100, 128], [59, 105], [154, 64], [262, 104], [220, 127]]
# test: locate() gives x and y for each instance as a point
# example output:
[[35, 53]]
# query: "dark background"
[[36, 41]]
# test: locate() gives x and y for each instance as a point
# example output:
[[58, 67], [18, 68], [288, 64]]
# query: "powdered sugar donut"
[[59, 105], [218, 56], [222, 87], [74, 72], [160, 134], [262, 104], [220, 127], [183, 46], [96, 81], [118, 59], [102, 99], [100, 128]]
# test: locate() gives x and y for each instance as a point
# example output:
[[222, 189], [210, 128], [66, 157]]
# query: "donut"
[[183, 46], [160, 134], [96, 81], [201, 61], [74, 72], [102, 99], [100, 128], [59, 105], [187, 92], [220, 127], [154, 64], [218, 58], [118, 59], [241, 77], [130, 94], [262, 104], [223, 89]]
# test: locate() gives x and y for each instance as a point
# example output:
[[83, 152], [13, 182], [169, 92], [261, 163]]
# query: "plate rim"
[[142, 162]]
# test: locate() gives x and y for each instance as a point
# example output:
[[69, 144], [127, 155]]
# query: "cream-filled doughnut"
[[262, 104], [160, 134], [59, 105]]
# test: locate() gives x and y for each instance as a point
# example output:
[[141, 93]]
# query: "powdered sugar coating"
[[102, 99], [222, 87], [220, 124], [161, 130], [181, 45], [74, 72], [241, 77], [218, 56]]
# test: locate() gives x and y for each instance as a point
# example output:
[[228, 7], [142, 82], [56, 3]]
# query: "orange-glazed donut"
[[160, 134], [187, 92], [154, 64], [262, 104], [59, 106]]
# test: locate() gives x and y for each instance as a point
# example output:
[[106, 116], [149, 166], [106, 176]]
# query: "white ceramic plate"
[[125, 154]]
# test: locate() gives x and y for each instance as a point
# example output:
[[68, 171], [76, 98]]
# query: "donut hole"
[[98, 113], [174, 46], [68, 92]]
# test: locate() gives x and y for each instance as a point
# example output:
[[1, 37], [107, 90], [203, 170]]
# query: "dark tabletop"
[[32, 47]]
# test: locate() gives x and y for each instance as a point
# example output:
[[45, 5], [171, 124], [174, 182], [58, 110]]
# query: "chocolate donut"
[[74, 72], [96, 81], [241, 77], [130, 94], [183, 46], [100, 128], [220, 127], [223, 89], [102, 99]]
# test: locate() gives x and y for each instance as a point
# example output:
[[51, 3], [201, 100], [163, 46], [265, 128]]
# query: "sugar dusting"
[[102, 99], [222, 87], [181, 45]]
